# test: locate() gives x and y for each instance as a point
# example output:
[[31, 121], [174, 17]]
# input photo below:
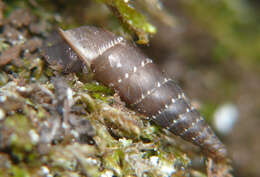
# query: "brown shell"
[[119, 64]]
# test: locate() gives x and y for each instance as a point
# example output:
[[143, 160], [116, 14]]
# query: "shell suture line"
[[149, 92], [110, 44]]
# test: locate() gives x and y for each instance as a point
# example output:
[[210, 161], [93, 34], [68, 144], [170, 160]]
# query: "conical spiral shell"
[[119, 64]]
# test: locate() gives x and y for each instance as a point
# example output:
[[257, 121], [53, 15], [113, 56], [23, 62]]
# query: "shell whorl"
[[119, 64]]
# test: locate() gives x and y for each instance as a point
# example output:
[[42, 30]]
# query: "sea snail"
[[120, 65]]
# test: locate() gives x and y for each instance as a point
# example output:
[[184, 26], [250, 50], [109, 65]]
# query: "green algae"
[[133, 19]]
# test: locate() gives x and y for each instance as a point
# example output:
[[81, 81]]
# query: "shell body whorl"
[[119, 64]]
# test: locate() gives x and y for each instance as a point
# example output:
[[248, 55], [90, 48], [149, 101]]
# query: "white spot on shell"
[[119, 80], [173, 100], [142, 64], [118, 65], [113, 61], [135, 69], [151, 90], [108, 45], [126, 75], [119, 39], [166, 106]]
